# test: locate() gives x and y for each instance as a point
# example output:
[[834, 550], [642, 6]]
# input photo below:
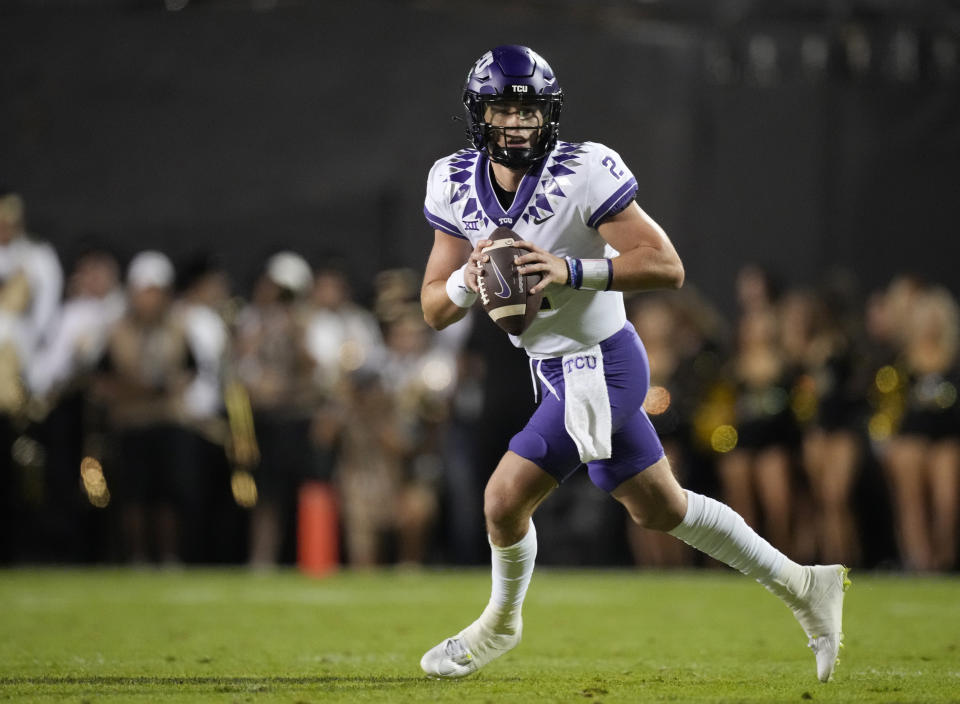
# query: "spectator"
[[373, 446], [808, 345], [272, 362], [341, 336], [824, 401], [59, 379], [420, 373], [923, 459], [756, 289], [202, 305], [657, 322], [755, 476], [683, 336], [146, 369], [77, 334], [31, 282]]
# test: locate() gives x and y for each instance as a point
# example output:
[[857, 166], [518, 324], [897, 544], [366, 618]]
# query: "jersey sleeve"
[[611, 185], [437, 208]]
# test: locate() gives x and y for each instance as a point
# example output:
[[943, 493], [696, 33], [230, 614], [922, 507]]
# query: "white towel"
[[586, 412]]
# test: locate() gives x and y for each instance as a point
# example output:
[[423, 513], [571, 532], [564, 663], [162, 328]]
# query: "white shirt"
[[39, 263], [342, 340], [75, 342], [558, 206], [207, 336]]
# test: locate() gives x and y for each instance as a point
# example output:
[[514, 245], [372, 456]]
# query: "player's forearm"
[[646, 268], [438, 310], [647, 258]]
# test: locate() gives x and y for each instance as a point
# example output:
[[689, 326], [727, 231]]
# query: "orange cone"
[[318, 537]]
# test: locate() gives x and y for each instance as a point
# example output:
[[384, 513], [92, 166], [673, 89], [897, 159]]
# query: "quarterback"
[[573, 207]]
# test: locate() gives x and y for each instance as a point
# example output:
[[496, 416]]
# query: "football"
[[504, 293]]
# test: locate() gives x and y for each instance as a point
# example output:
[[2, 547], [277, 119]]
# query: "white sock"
[[720, 532], [512, 568]]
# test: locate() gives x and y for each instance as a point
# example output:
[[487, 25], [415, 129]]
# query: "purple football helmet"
[[512, 74]]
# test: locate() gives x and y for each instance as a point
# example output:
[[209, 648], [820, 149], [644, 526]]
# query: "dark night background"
[[804, 136]]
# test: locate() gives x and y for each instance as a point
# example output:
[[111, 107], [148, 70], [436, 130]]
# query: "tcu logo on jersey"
[[581, 361]]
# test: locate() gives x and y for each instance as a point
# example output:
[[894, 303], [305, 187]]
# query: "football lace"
[[482, 286]]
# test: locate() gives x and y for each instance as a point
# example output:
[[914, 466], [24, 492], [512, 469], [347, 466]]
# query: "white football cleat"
[[819, 609], [827, 650], [458, 657], [450, 659]]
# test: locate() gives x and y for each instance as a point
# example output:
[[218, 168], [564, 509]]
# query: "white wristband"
[[457, 289], [597, 274]]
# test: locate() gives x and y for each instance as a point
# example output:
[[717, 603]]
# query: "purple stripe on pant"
[[545, 441]]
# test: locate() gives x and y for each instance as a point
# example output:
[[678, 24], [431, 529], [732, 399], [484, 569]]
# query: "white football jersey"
[[558, 205]]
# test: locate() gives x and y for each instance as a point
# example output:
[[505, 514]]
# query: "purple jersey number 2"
[[608, 161]]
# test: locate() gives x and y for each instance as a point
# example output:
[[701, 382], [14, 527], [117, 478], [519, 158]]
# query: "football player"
[[573, 206]]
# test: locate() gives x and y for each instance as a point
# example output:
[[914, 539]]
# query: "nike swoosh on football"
[[504, 291]]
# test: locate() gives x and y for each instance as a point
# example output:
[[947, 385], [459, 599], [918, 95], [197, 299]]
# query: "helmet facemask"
[[515, 133]]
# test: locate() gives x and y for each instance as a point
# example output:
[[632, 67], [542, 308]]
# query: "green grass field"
[[231, 636]]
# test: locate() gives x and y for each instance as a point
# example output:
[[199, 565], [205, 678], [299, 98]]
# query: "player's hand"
[[475, 267], [552, 268]]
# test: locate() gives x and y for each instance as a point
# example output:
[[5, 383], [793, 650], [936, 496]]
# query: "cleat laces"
[[454, 649]]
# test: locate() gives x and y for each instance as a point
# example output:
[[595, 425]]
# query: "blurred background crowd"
[[215, 334], [154, 414]]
